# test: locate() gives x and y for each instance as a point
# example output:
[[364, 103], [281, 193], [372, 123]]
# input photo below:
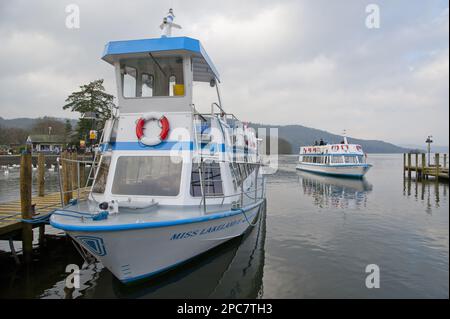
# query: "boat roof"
[[204, 69]]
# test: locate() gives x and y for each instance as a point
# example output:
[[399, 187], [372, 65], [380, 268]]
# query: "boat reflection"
[[232, 270], [335, 192]]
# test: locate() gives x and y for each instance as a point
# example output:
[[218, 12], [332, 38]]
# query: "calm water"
[[314, 241]]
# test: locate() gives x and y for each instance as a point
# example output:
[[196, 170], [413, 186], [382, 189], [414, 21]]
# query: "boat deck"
[[79, 216]]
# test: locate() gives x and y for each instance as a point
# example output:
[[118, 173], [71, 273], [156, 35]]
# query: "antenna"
[[344, 134], [167, 24]]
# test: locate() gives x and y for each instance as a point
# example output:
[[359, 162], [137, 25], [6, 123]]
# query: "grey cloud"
[[282, 62]]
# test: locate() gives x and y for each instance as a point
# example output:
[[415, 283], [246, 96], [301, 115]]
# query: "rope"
[[250, 224], [66, 213]]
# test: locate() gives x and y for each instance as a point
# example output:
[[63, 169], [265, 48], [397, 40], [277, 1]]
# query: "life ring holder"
[[163, 123]]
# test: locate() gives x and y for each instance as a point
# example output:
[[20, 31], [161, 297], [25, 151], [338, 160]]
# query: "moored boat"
[[171, 183], [344, 159]]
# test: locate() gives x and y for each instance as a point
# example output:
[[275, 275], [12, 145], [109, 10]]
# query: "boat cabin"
[[333, 154], [158, 74], [152, 147]]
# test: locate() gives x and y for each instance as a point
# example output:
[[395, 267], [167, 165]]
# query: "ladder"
[[95, 163]]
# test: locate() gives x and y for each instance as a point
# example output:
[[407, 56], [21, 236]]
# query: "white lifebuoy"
[[152, 140]]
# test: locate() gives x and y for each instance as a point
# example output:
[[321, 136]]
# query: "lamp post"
[[429, 141]]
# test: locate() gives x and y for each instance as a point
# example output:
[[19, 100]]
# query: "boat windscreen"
[[147, 176]]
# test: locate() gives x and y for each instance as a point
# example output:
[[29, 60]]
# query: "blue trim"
[[171, 145], [158, 45], [331, 154], [332, 174], [336, 165], [163, 146], [103, 228]]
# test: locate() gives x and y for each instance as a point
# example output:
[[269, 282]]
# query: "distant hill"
[[298, 135], [26, 123], [295, 135]]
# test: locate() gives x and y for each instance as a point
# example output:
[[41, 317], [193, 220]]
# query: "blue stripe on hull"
[[332, 174], [119, 227]]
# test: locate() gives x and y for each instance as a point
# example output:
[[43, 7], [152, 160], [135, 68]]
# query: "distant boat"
[[346, 160]]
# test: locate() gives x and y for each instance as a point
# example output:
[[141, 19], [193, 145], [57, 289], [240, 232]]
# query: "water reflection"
[[430, 192], [334, 192], [233, 270]]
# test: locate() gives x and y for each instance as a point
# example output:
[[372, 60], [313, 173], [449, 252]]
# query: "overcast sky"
[[310, 62]]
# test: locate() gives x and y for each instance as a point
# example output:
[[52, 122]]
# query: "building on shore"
[[47, 143]]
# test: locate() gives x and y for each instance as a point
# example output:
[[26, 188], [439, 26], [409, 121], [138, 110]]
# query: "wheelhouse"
[[158, 76]]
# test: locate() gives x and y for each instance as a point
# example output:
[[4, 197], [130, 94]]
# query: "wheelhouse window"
[[146, 85], [147, 176], [152, 77], [211, 177]]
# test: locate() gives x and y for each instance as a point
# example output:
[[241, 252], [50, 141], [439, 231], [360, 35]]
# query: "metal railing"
[[68, 179]]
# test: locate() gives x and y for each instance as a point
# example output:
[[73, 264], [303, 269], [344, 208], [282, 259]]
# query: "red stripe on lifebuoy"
[[165, 127], [140, 128]]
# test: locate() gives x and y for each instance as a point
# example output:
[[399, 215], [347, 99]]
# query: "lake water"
[[315, 239]]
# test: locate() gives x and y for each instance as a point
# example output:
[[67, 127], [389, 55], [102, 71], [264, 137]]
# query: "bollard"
[[41, 175], [26, 205]]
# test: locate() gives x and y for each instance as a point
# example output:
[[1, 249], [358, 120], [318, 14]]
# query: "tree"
[[91, 99], [43, 125]]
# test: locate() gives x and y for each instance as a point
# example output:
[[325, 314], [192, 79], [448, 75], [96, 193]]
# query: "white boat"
[[347, 160], [171, 183]]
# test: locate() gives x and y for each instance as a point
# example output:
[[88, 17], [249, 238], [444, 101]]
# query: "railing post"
[[82, 173], [417, 164], [445, 160], [66, 178], [25, 204], [41, 175], [409, 165], [423, 175], [404, 163], [436, 160], [74, 170], [256, 182]]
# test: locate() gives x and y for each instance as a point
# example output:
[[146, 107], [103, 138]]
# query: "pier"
[[72, 180], [436, 167]]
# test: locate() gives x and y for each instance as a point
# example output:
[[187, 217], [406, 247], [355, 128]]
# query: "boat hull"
[[357, 171], [136, 254]]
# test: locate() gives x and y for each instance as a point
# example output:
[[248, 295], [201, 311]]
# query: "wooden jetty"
[[416, 162], [72, 183]]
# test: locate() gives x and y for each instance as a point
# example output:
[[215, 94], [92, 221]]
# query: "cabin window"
[[129, 82], [350, 159], [147, 176], [153, 76], [361, 159], [212, 179], [102, 175], [336, 159], [146, 85]]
